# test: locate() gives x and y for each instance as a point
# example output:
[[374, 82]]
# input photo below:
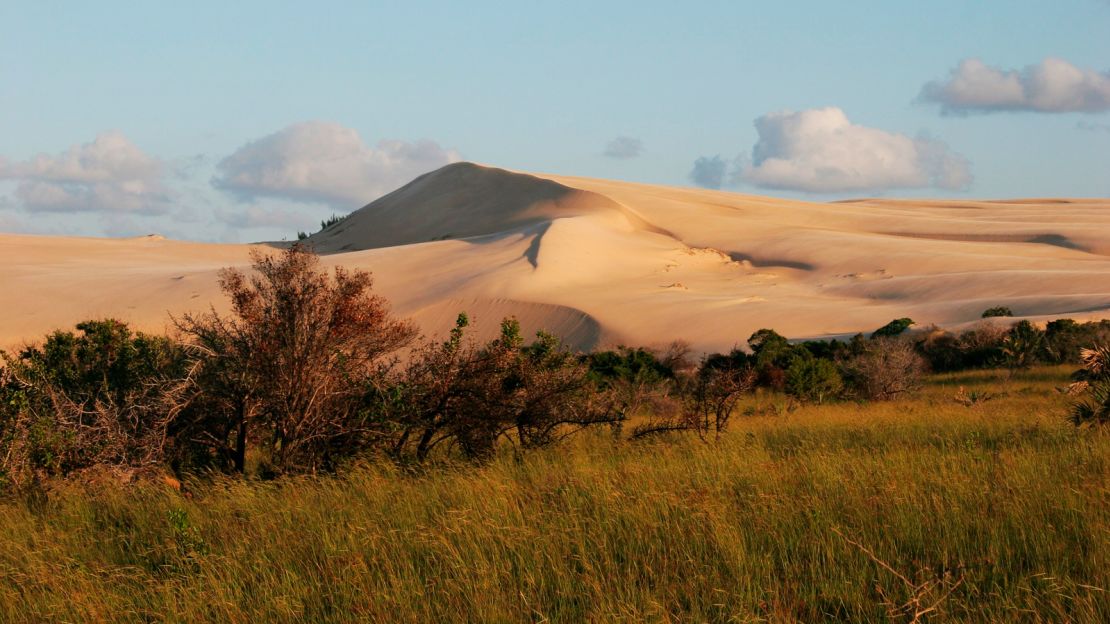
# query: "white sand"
[[603, 262]]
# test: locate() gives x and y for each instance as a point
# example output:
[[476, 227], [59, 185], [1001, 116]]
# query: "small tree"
[[288, 369], [886, 369], [1022, 346], [811, 380], [707, 400]]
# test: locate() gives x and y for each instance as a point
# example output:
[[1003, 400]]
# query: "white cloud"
[[821, 151], [321, 162], [1051, 86], [624, 147], [110, 174]]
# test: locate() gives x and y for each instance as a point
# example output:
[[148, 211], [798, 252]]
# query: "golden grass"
[[996, 512]]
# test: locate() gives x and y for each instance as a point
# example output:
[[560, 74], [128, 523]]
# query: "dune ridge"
[[603, 262]]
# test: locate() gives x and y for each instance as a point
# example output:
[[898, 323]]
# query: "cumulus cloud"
[[1051, 86], [709, 172], [321, 162], [821, 151], [624, 147], [110, 174]]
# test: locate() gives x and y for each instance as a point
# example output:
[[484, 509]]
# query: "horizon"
[[252, 122]]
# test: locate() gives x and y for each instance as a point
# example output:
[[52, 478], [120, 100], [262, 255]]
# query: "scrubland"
[[974, 500]]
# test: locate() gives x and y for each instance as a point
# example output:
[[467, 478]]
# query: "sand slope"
[[603, 262]]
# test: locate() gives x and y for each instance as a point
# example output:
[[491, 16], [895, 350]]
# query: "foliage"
[[466, 396], [885, 369], [811, 380], [1010, 503], [1093, 387], [85, 399], [324, 224], [893, 328], [1022, 345], [997, 311], [287, 370], [707, 400]]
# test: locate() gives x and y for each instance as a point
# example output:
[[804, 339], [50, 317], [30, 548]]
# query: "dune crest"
[[603, 262]]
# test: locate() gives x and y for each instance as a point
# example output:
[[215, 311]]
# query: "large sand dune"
[[603, 262]]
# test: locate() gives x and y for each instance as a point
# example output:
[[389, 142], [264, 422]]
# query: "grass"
[[995, 512]]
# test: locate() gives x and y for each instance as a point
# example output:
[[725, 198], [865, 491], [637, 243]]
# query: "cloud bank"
[[1051, 86], [109, 175], [322, 162], [624, 147], [821, 151]]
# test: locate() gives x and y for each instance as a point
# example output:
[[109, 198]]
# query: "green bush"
[[893, 328], [1022, 346], [87, 398], [811, 380]]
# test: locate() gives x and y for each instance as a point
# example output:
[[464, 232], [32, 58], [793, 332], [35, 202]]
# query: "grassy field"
[[998, 511]]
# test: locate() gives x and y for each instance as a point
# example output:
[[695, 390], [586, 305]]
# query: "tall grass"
[[998, 511]]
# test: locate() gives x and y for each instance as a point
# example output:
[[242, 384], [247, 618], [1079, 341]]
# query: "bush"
[[886, 369], [1022, 346], [287, 371], [893, 328], [707, 399], [997, 311], [771, 354], [85, 399], [460, 395], [811, 380], [1093, 386]]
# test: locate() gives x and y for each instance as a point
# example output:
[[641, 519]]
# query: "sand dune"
[[603, 262]]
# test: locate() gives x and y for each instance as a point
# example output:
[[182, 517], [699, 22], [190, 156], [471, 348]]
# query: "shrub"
[[287, 370], [1065, 339], [997, 311], [460, 395], [893, 328], [707, 399], [1022, 346], [886, 369], [811, 380], [1093, 386], [771, 354], [85, 399]]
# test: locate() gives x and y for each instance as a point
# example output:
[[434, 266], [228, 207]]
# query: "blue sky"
[[213, 122]]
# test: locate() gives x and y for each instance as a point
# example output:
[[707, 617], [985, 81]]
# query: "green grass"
[[1000, 512]]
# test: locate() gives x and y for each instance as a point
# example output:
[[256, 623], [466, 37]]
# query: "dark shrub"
[[893, 328], [1022, 345], [811, 380], [465, 396], [771, 354], [79, 400], [997, 311]]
